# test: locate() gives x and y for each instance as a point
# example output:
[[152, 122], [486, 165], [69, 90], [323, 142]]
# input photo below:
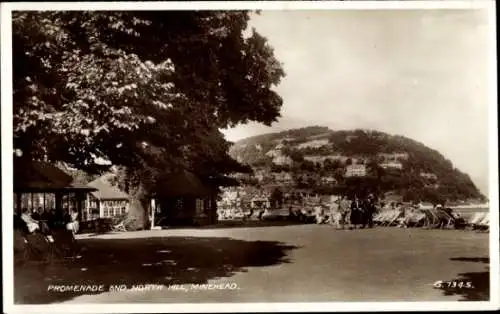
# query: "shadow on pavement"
[[252, 223], [159, 261], [224, 224], [480, 282]]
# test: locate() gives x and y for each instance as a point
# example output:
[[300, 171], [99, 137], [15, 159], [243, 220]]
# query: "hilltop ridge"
[[323, 159]]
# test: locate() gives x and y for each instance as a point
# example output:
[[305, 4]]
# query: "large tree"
[[147, 90]]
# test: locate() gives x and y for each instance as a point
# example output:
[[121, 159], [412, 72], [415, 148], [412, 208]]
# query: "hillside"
[[325, 160]]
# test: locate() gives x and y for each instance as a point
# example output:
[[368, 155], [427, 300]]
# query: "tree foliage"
[[147, 90]]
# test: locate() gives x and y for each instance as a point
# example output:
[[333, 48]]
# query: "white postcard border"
[[7, 175]]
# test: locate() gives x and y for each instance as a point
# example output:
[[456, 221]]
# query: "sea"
[[467, 212]]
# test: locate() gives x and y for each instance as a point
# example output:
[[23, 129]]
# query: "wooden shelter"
[[184, 199], [41, 186]]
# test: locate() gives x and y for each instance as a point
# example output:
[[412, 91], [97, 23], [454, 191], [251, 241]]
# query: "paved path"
[[281, 264], [382, 264]]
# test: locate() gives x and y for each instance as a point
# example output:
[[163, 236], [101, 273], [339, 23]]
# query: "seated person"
[[73, 224], [51, 218], [31, 223], [36, 213], [459, 222], [20, 225], [45, 215]]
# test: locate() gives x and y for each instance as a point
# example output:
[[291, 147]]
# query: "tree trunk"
[[139, 207]]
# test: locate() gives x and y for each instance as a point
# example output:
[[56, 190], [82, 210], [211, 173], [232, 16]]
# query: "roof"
[[221, 180], [106, 190], [182, 183], [40, 176]]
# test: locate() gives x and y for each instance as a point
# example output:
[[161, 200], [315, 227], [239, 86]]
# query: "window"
[[179, 204], [199, 207]]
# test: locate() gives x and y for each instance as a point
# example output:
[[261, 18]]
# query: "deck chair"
[[381, 217], [432, 220], [474, 221], [445, 219], [22, 249], [378, 217], [118, 224], [64, 244], [418, 219], [411, 219], [484, 224], [387, 218], [395, 218], [37, 247]]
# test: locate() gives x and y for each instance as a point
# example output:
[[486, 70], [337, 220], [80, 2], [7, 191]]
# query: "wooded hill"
[[392, 162]]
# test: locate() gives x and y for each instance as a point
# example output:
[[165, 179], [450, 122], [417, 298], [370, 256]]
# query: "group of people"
[[44, 220], [42, 228], [356, 213]]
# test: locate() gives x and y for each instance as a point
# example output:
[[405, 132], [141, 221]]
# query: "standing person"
[[363, 215], [262, 210], [333, 207], [355, 212], [318, 214], [370, 210], [343, 211]]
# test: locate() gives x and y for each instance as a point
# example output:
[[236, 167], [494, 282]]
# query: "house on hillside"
[[307, 177], [277, 151], [314, 159], [282, 160], [107, 201], [428, 175], [359, 160], [273, 153], [261, 175], [241, 176], [317, 159], [283, 177], [349, 138], [391, 165], [394, 156], [356, 170], [329, 180], [280, 146], [260, 202], [313, 144]]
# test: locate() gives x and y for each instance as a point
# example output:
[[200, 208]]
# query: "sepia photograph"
[[217, 156]]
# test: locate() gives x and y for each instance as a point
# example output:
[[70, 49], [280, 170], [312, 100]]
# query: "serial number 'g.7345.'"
[[453, 284]]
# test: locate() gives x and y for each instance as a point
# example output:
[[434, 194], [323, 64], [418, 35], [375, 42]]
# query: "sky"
[[422, 74]]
